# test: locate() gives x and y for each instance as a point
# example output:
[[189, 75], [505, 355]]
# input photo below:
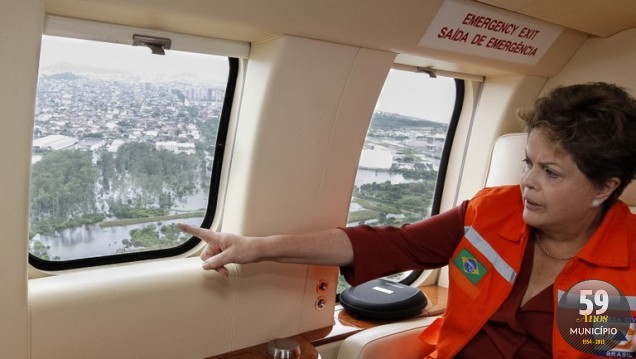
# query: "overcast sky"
[[133, 58], [405, 93], [418, 95]]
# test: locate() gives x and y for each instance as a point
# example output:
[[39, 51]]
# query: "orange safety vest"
[[485, 264]]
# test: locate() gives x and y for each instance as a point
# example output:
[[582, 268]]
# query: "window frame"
[[235, 51], [444, 160]]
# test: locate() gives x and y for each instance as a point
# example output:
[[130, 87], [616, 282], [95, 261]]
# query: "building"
[[54, 142]]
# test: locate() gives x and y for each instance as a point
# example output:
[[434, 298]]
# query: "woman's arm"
[[330, 247]]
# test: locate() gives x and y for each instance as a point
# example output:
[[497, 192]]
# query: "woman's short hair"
[[596, 124]]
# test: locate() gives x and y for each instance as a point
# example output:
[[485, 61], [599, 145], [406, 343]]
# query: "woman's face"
[[557, 196]]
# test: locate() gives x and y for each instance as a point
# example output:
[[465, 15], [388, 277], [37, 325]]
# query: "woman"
[[512, 251]]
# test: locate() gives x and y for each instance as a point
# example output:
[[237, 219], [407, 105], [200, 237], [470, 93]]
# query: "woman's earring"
[[596, 202]]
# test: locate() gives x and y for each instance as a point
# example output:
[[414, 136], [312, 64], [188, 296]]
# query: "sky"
[[135, 58], [406, 93], [417, 95]]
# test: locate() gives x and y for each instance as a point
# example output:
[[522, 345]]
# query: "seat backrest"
[[506, 160], [506, 165], [629, 196]]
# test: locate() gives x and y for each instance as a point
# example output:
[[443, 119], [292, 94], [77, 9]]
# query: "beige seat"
[[629, 196], [506, 160], [395, 340]]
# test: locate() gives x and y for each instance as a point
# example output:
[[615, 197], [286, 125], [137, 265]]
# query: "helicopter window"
[[125, 144], [403, 154]]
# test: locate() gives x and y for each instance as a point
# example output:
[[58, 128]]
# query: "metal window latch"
[[429, 71], [157, 45]]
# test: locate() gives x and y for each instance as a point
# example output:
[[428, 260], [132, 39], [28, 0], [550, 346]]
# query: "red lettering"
[[510, 46], [442, 32], [527, 33], [478, 40], [474, 20], [489, 23], [467, 19], [453, 34]]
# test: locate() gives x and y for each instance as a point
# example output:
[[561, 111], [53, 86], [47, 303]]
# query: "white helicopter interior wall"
[[21, 29]]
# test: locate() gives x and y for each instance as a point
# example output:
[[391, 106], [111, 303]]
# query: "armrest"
[[395, 340]]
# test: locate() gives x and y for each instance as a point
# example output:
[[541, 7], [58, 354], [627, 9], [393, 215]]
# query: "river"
[[93, 240]]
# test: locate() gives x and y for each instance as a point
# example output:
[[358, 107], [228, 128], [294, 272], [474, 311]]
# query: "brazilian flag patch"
[[470, 266]]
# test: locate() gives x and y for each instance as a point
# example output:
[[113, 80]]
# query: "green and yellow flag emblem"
[[470, 266]]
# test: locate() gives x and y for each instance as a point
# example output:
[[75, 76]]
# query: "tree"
[[153, 178], [63, 185], [106, 165]]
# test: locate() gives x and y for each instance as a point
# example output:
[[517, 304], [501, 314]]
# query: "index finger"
[[190, 229]]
